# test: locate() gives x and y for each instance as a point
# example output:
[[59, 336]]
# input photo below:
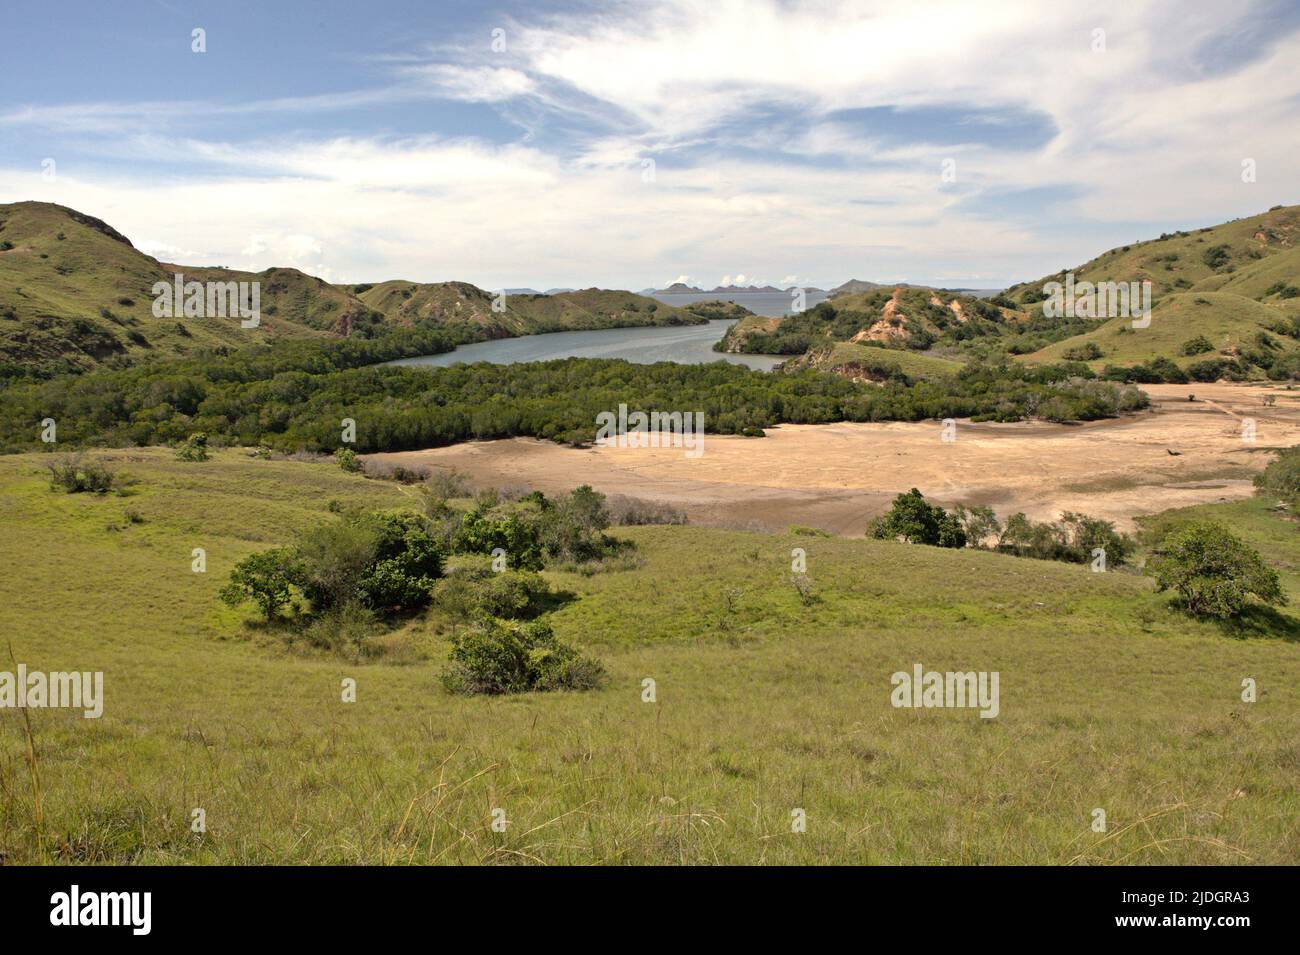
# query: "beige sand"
[[836, 477]]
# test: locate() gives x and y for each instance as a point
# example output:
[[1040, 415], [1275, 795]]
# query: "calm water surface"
[[686, 344]]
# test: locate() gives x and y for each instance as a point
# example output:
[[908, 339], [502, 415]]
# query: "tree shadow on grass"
[[552, 600], [1258, 621]]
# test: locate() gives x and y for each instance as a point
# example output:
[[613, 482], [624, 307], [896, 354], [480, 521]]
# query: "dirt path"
[[836, 477]]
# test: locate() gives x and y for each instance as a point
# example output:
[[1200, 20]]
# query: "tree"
[[335, 558], [979, 522], [407, 560], [917, 521], [1214, 572], [265, 577]]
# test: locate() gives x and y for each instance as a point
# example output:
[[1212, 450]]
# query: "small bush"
[[1197, 346], [494, 658], [76, 476], [342, 629], [1088, 351], [448, 484], [347, 459], [195, 448], [267, 578], [471, 590], [631, 511]]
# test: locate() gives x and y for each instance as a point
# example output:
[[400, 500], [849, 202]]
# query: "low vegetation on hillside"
[[728, 698]]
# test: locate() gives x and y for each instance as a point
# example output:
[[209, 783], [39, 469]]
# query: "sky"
[[630, 145]]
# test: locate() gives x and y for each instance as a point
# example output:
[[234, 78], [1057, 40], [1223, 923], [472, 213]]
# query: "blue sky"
[[634, 144]]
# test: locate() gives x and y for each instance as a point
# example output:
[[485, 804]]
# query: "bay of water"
[[685, 344]]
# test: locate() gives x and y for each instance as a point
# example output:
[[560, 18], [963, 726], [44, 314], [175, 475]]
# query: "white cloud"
[[1142, 135]]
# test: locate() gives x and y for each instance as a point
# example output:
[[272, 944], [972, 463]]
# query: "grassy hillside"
[[1188, 261], [1109, 699], [1227, 283], [1228, 321], [459, 303], [75, 294]]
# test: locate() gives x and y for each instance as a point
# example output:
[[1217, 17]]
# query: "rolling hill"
[[75, 294], [1226, 284], [1225, 299], [462, 304], [905, 317]]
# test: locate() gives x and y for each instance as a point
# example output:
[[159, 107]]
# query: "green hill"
[[1229, 292], [1205, 259], [868, 363], [905, 317], [76, 294], [765, 702], [462, 304], [1229, 322]]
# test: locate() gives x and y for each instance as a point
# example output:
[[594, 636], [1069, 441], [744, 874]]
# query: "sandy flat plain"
[[837, 477]]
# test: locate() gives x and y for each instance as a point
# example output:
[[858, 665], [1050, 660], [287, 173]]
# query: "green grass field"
[[1109, 699]]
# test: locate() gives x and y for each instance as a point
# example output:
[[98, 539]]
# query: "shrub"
[[75, 476], [1088, 351], [572, 527], [1071, 539], [406, 562], [1213, 369], [448, 484], [635, 511], [498, 658], [335, 557], [342, 629], [195, 448], [978, 522], [1215, 256], [1197, 346], [347, 459], [1214, 572], [472, 590], [1282, 475], [484, 529]]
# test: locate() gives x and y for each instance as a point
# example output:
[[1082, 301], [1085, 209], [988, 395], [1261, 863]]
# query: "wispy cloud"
[[685, 136]]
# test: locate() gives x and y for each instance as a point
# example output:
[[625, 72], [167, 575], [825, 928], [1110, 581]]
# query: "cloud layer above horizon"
[[635, 144]]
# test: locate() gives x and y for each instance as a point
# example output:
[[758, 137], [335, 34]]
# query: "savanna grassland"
[[765, 702]]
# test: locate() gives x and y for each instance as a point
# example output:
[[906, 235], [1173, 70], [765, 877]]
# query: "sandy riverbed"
[[836, 477]]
